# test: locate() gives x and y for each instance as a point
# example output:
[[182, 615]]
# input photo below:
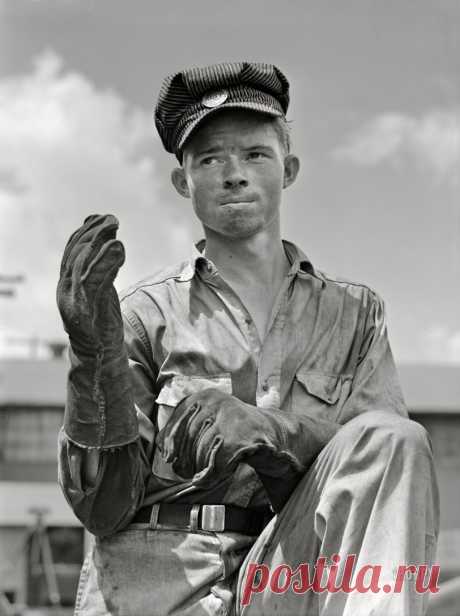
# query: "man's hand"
[[212, 428], [99, 412], [206, 427], [211, 432], [86, 297]]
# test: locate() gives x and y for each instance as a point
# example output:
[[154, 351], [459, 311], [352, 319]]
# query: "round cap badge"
[[214, 99]]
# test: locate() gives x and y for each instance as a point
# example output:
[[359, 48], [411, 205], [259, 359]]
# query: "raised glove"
[[214, 429], [99, 411]]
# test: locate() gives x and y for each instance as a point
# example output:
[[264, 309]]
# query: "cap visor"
[[251, 106]]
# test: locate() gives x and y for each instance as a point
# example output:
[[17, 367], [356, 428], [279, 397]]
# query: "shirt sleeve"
[[375, 384], [108, 503]]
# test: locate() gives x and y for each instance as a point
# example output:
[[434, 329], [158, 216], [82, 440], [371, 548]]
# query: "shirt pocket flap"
[[326, 387], [179, 387]]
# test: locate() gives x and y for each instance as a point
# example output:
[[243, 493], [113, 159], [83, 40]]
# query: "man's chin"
[[240, 231]]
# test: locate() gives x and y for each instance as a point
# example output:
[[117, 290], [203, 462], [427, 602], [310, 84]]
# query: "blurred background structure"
[[375, 116], [41, 541]]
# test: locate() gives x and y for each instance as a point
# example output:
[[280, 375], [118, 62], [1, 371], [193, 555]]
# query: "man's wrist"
[[100, 406]]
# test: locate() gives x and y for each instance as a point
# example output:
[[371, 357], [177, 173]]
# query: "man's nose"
[[234, 173]]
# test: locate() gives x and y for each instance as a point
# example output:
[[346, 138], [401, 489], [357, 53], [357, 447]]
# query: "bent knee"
[[383, 428]]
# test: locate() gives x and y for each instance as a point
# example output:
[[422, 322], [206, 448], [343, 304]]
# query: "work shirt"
[[325, 353]]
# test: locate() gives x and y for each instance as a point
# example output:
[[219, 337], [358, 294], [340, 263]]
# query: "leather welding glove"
[[99, 411], [213, 428]]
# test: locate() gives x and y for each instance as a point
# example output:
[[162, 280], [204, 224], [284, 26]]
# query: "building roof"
[[33, 381], [431, 387], [19, 499], [427, 387]]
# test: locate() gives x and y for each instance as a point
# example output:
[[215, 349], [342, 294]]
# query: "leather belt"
[[214, 518]]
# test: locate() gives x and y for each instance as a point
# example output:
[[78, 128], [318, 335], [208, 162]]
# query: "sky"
[[375, 112]]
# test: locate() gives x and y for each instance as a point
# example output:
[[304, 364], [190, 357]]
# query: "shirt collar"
[[300, 263], [196, 263]]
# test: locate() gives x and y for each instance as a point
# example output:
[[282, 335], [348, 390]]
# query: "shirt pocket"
[[179, 387], [174, 391], [320, 395]]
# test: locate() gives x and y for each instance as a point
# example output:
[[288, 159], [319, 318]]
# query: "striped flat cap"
[[187, 97]]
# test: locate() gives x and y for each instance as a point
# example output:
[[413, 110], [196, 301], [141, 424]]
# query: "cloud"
[[68, 149], [431, 140], [440, 345]]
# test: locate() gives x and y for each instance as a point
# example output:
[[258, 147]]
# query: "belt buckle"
[[213, 518], [154, 524]]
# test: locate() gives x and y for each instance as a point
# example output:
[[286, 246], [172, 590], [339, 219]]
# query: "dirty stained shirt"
[[326, 353]]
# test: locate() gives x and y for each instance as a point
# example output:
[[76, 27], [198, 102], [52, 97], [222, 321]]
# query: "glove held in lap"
[[212, 426]]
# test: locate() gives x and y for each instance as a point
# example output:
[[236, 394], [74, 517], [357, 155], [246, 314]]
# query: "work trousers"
[[371, 493]]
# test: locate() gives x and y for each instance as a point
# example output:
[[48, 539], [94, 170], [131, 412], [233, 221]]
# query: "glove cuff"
[[100, 409]]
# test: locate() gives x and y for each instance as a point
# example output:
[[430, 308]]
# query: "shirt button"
[[248, 321], [265, 387]]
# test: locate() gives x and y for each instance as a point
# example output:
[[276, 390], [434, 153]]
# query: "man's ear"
[[179, 182], [291, 169]]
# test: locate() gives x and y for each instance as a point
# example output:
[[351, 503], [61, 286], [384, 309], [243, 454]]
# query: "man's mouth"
[[237, 200]]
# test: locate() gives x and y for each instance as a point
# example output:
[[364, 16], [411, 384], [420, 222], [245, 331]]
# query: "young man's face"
[[234, 169]]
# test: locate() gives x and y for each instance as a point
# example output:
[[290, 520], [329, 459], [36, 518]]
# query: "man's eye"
[[209, 160], [255, 155]]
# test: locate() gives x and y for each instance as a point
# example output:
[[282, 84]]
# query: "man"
[[239, 384]]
